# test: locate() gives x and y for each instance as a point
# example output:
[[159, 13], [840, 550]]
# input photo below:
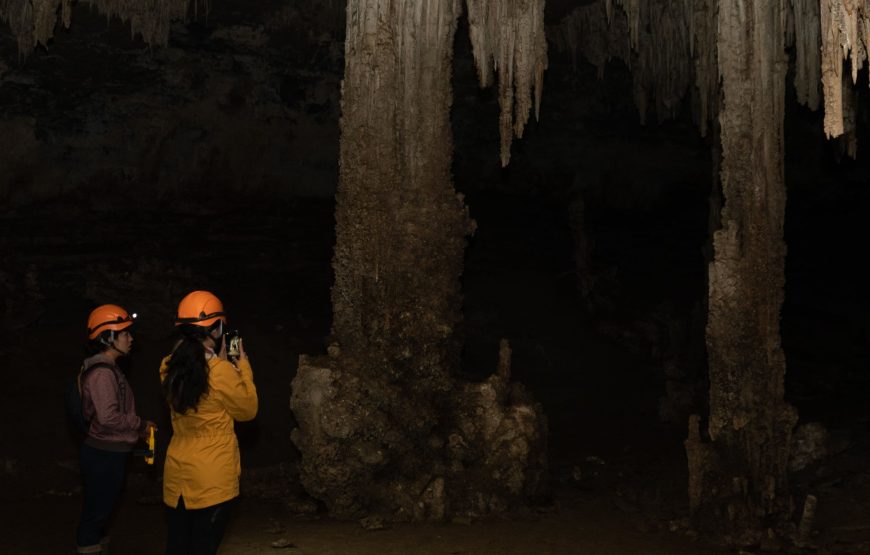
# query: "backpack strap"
[[94, 366]]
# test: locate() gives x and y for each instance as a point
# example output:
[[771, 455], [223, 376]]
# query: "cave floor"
[[618, 474], [586, 527]]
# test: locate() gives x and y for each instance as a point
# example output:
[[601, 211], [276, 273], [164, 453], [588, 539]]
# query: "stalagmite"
[[507, 36], [805, 528], [33, 21], [384, 427], [750, 423]]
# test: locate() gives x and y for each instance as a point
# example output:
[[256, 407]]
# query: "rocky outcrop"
[[384, 427], [368, 448]]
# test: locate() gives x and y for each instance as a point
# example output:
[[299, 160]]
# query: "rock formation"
[[33, 21], [750, 424], [737, 52], [508, 37], [669, 46], [384, 427]]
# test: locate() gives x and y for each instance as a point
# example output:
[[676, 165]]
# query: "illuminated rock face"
[[845, 34], [508, 37], [384, 427], [400, 226], [671, 46], [371, 447], [750, 423]]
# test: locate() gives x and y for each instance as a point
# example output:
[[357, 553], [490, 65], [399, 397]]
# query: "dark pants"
[[196, 531], [103, 475]]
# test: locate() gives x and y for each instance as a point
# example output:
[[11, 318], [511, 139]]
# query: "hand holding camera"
[[235, 346]]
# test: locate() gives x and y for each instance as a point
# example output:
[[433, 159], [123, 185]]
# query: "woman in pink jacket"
[[113, 427]]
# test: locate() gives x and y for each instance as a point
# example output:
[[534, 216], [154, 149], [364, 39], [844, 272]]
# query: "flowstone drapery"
[[383, 426], [33, 21]]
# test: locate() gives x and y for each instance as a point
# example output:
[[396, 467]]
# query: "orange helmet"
[[200, 308], [108, 317]]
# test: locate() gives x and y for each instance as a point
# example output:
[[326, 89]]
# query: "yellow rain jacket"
[[202, 463]]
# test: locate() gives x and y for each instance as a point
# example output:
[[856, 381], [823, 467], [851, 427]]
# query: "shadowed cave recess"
[[538, 348]]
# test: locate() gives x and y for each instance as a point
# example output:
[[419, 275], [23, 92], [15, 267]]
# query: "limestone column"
[[400, 226], [368, 412], [744, 469]]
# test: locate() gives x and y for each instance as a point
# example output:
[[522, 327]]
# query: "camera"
[[232, 339]]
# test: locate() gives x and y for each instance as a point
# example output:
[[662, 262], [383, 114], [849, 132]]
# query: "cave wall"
[[239, 99]]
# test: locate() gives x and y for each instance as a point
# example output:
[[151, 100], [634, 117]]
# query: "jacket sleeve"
[[236, 389], [103, 389]]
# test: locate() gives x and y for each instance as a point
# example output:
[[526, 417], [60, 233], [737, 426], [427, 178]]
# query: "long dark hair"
[[187, 371]]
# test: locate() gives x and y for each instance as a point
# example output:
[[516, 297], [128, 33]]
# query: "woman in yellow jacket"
[[206, 394]]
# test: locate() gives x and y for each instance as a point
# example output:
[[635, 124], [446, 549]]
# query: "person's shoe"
[[96, 549]]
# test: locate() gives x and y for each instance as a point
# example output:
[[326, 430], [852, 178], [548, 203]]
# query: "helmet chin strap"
[[218, 341], [111, 343]]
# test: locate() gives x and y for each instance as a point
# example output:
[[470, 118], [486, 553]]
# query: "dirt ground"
[[618, 474], [139, 530]]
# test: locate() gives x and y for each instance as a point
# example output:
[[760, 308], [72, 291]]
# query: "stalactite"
[[585, 32], [669, 46], [845, 28], [663, 58], [806, 39], [705, 54], [33, 21], [849, 138], [507, 36], [149, 18]]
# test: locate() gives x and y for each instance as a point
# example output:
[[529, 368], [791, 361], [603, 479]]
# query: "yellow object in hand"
[[149, 458]]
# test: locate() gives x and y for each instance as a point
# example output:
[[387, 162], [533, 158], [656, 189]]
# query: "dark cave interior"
[[133, 174]]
